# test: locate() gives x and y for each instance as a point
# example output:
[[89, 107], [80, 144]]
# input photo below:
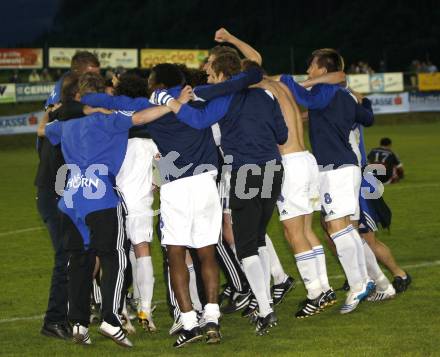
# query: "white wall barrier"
[[405, 102], [20, 124]]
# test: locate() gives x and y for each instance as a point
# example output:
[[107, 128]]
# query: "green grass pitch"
[[407, 325]]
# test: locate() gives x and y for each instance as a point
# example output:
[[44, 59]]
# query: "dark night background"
[[284, 31]]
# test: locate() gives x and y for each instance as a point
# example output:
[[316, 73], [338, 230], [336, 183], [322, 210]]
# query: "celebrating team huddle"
[[224, 146]]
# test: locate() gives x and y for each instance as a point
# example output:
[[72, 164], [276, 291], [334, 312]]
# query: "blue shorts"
[[368, 217]]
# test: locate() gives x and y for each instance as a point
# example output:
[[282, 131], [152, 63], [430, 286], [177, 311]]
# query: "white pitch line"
[[411, 185], [37, 317], [31, 229], [40, 317]]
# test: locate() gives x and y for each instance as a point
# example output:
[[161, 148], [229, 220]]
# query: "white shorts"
[[299, 193], [191, 214], [357, 188], [339, 192], [314, 182], [134, 180]]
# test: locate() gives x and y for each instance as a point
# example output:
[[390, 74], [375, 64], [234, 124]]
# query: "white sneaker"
[[354, 298], [80, 334], [115, 333], [380, 295]]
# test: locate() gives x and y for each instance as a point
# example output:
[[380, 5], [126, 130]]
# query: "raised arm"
[[317, 98], [223, 35], [203, 118], [148, 115], [329, 78], [232, 85], [120, 102]]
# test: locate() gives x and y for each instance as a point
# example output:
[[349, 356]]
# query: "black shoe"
[[253, 305], [212, 332], [265, 323], [253, 318], [225, 294], [56, 329], [68, 329], [401, 284], [237, 302], [279, 291], [330, 297], [185, 336], [311, 307]]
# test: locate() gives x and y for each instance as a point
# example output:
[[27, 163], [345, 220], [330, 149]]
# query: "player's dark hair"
[[385, 142], [196, 77], [142, 73], [193, 77], [226, 63], [91, 83], [82, 59], [247, 64], [132, 85], [69, 87], [329, 59], [167, 75], [219, 50]]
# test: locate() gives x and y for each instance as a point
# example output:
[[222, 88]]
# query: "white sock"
[[255, 275], [193, 292], [265, 263], [211, 313], [306, 264], [276, 269], [321, 266], [189, 320], [374, 270], [145, 282], [132, 258], [347, 254], [361, 254]]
